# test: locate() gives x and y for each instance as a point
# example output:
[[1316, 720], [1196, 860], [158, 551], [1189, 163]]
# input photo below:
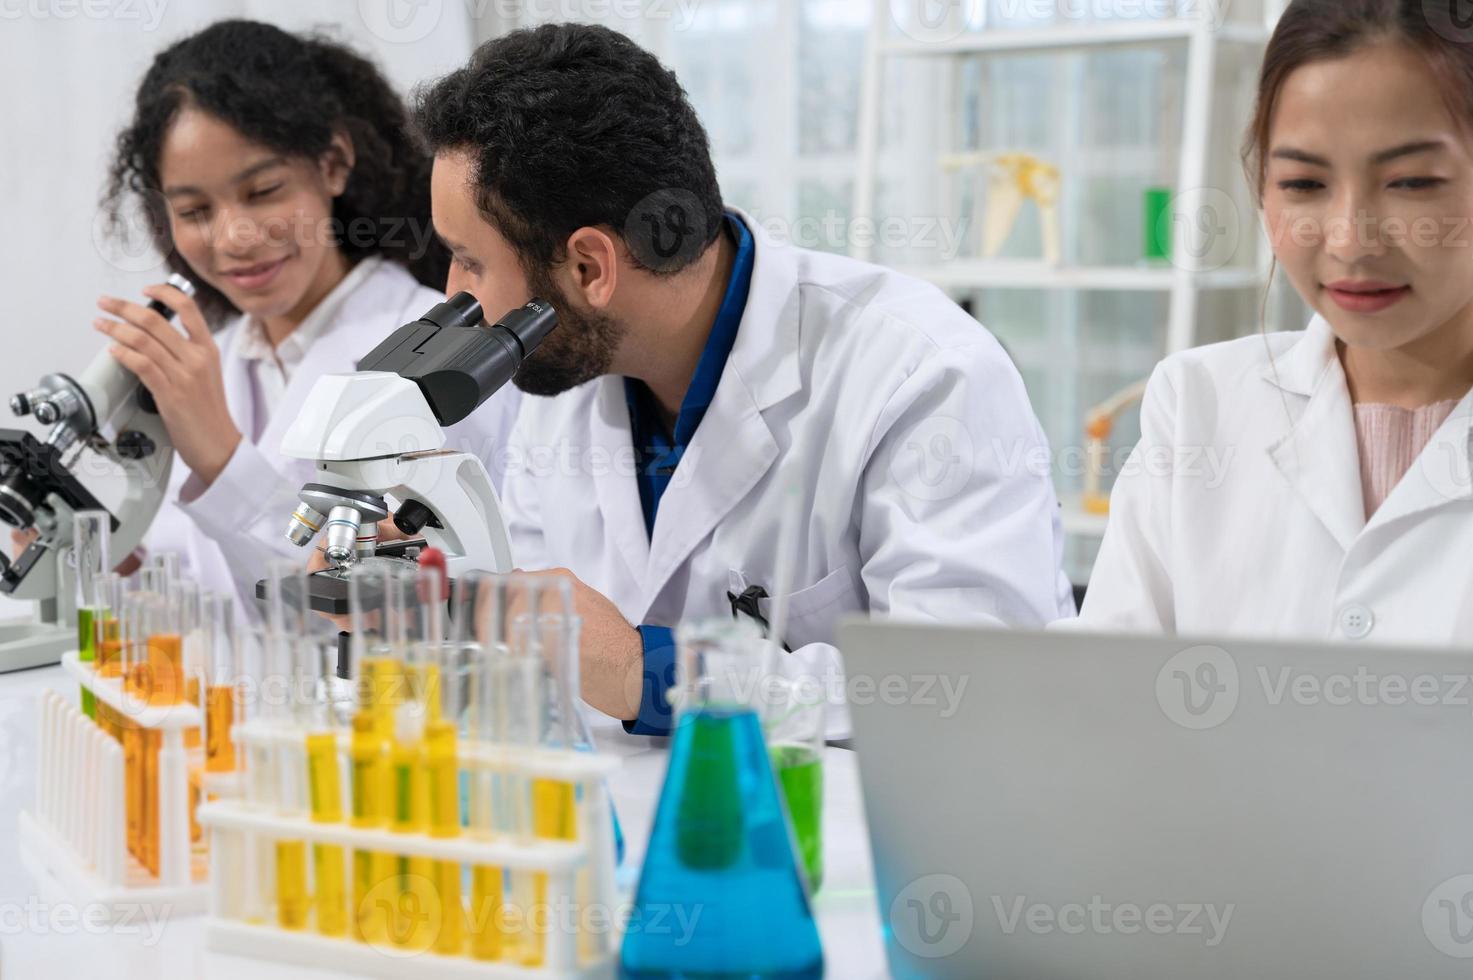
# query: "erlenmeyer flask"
[[721, 842]]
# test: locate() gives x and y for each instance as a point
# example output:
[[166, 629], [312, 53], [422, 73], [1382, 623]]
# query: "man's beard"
[[580, 348]]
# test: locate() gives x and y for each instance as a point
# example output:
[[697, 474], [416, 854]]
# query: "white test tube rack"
[[567, 954], [75, 843]]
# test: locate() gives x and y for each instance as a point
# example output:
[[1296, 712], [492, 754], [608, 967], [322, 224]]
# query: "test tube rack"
[[74, 843], [567, 954]]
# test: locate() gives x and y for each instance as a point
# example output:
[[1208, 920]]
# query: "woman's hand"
[[182, 371]]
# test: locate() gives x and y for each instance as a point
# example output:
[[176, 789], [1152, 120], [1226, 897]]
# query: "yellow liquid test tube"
[[444, 792], [293, 904], [554, 817], [327, 807], [416, 908], [369, 782]]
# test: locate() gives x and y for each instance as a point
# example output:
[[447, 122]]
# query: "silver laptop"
[[1070, 805]]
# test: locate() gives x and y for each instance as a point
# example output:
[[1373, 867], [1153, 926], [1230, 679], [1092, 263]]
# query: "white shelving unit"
[[1190, 273]]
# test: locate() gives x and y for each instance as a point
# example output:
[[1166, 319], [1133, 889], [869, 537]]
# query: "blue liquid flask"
[[720, 893]]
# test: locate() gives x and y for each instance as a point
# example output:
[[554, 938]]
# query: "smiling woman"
[[279, 174], [1349, 502]]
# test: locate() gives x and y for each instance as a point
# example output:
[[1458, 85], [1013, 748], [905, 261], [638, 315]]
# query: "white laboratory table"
[[847, 913]]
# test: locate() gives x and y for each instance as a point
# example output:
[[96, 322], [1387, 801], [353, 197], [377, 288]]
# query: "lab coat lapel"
[[1318, 454], [615, 488], [734, 447], [1441, 473]]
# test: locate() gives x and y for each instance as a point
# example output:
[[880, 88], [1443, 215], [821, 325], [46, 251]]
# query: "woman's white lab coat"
[[901, 426], [1241, 509], [227, 534]]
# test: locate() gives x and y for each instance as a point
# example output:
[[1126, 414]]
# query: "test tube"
[[190, 602], [108, 646], [165, 639], [325, 788], [477, 625], [522, 713], [217, 691], [442, 714], [374, 671], [255, 713], [416, 906], [90, 530], [285, 617]]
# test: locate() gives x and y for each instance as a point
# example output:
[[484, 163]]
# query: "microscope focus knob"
[[134, 445], [412, 516]]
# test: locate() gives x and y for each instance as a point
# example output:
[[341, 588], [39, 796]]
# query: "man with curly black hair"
[[704, 380]]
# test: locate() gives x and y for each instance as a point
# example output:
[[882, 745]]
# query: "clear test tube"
[[90, 534], [221, 691], [477, 632], [192, 612], [258, 698], [285, 596]]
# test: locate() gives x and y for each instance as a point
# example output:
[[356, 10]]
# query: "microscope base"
[[25, 644]]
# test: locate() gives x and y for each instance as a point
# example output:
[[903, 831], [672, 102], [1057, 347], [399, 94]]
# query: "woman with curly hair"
[[278, 173]]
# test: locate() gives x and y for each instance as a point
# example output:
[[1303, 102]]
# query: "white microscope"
[[104, 410], [376, 437]]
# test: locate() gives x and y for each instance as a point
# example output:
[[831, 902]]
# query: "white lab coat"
[[227, 534], [1242, 513], [922, 471]]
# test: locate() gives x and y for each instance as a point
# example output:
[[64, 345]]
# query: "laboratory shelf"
[[1053, 38], [967, 274]]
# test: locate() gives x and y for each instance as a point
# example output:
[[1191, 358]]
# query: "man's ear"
[[593, 265], [336, 163]]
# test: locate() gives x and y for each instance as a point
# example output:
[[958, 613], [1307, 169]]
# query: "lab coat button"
[[1356, 621]]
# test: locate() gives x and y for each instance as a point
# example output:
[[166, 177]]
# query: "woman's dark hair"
[[571, 126], [289, 93], [1318, 30]]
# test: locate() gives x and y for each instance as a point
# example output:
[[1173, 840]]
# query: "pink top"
[[1390, 439]]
